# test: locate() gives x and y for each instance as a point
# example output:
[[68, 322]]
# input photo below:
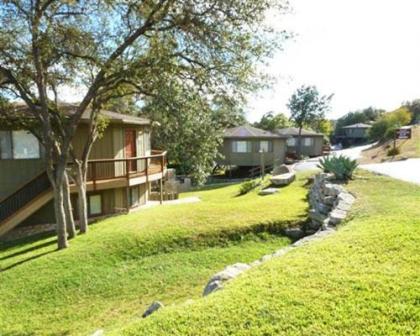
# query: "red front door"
[[130, 148]]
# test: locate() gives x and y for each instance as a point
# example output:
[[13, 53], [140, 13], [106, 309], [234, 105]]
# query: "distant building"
[[353, 134], [311, 142], [242, 147]]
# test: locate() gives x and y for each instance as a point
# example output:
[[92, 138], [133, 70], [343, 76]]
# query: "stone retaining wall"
[[329, 202]]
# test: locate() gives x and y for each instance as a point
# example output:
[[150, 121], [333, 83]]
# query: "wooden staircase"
[[24, 202]]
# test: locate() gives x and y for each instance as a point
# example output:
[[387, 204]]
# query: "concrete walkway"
[[151, 204], [406, 170]]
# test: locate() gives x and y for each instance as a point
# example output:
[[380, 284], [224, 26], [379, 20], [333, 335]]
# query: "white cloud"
[[364, 51]]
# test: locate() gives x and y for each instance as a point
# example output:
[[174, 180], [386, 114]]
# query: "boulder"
[[294, 233], [337, 216], [283, 179], [316, 216], [98, 332], [346, 197], [269, 191], [230, 272], [332, 189], [343, 205], [212, 286], [152, 308]]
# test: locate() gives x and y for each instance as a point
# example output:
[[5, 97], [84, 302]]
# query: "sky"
[[366, 52]]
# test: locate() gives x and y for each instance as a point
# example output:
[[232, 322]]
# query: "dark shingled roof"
[[359, 125], [20, 110], [247, 131], [294, 131]]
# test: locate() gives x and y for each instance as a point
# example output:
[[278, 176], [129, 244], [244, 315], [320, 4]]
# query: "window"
[[241, 147], [95, 205], [5, 145], [291, 142], [266, 146], [308, 142], [134, 196], [18, 145]]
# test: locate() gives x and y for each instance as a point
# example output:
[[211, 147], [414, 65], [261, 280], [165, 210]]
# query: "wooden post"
[[262, 163], [161, 178]]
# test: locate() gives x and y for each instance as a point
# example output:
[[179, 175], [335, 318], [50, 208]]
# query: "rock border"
[[329, 206]]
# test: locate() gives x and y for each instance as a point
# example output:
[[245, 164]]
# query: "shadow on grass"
[[33, 248], [25, 260]]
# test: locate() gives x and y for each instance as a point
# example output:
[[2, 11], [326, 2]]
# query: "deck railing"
[[108, 169]]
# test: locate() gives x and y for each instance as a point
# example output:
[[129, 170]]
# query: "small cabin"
[[247, 146], [311, 142]]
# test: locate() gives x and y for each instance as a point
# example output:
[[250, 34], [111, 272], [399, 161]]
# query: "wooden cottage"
[[121, 168], [311, 142], [244, 145]]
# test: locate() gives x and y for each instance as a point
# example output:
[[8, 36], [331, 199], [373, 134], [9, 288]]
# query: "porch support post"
[[161, 190]]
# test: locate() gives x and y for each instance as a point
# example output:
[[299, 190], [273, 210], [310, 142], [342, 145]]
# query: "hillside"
[[362, 280], [408, 149], [109, 277]]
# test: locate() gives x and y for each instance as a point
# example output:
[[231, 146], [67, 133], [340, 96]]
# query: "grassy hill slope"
[[109, 277], [362, 280], [409, 148]]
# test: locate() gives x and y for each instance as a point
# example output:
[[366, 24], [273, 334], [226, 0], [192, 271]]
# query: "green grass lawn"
[[362, 280], [107, 278]]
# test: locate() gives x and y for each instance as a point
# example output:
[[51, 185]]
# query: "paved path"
[[406, 170], [310, 164], [151, 204]]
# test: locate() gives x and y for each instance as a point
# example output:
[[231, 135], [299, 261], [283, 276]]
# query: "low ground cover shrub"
[[249, 185]]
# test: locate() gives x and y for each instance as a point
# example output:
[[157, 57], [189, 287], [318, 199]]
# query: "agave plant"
[[341, 166]]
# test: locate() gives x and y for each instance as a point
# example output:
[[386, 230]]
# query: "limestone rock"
[[152, 308], [98, 332], [332, 189], [230, 272], [337, 216], [283, 179], [269, 191], [212, 286], [316, 216], [294, 233]]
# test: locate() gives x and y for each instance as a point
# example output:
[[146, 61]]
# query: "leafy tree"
[[414, 107], [307, 106], [117, 48], [366, 115], [384, 128], [270, 121], [323, 126]]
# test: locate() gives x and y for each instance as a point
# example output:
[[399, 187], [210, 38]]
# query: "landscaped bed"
[[361, 280], [107, 278]]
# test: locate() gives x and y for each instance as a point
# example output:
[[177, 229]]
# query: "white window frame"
[[241, 146]]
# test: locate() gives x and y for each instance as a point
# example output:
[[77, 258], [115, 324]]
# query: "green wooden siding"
[[314, 150], [253, 158]]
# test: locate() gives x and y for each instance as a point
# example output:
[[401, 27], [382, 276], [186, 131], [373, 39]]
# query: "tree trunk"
[[56, 176], [299, 144], [71, 227], [60, 217], [82, 201]]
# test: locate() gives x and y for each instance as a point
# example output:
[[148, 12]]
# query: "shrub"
[[341, 166], [247, 186], [393, 152]]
